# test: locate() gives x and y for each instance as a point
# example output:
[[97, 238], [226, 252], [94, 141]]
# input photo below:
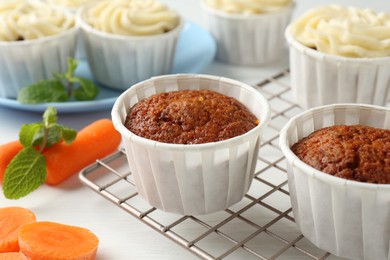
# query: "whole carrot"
[[7, 152], [11, 221], [93, 142], [46, 240]]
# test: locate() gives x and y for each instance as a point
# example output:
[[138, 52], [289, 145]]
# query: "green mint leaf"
[[68, 134], [39, 137], [42, 92], [54, 135], [72, 65], [50, 116], [87, 90], [25, 173], [59, 76], [31, 134]]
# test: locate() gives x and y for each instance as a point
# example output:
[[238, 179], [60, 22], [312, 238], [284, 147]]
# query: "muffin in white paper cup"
[[192, 179], [129, 41], [246, 32], [344, 217], [33, 51], [349, 64]]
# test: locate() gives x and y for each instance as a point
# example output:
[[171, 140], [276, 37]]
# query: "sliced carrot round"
[[12, 256], [50, 240], [11, 220]]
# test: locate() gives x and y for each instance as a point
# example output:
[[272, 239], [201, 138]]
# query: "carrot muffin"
[[190, 117], [31, 34], [343, 217], [248, 32], [190, 177], [27, 20], [344, 31], [71, 4], [248, 7], [340, 54], [139, 35], [356, 152], [131, 17]]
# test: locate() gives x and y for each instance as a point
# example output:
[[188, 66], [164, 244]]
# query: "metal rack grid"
[[261, 226]]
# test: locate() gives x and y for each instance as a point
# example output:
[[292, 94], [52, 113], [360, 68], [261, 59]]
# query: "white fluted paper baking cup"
[[26, 62], [248, 39], [119, 61], [347, 218], [192, 179], [319, 79]]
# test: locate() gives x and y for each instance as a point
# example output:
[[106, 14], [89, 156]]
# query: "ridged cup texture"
[[119, 61], [25, 62], [248, 39], [192, 179], [346, 218], [319, 79]]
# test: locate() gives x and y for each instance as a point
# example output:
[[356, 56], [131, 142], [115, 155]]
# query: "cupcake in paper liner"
[[191, 178], [35, 42], [73, 6], [340, 213], [340, 55], [248, 32], [128, 41]]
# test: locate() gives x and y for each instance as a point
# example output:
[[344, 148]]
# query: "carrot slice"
[[50, 240], [93, 142], [13, 256], [11, 221], [7, 152]]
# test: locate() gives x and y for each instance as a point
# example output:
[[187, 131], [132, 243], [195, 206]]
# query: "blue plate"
[[195, 50]]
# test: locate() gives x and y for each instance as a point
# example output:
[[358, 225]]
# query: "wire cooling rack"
[[261, 226]]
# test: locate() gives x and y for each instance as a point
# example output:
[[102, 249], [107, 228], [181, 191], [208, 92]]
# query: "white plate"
[[195, 50]]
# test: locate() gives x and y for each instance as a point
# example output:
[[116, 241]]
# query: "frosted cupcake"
[[340, 54], [73, 6], [128, 41], [248, 32], [70, 4], [345, 217], [192, 178], [35, 42]]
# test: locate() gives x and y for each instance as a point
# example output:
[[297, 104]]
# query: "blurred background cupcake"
[[35, 42], [128, 41], [340, 54], [192, 178], [74, 6], [342, 202], [248, 32]]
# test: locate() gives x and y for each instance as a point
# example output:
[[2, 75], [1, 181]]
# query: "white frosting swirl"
[[248, 7], [131, 17], [344, 31], [26, 20], [70, 3]]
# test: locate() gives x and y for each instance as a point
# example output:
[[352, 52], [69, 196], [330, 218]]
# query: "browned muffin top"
[[189, 117], [356, 152]]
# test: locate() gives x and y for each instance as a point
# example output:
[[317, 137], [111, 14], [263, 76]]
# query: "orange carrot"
[[50, 240], [7, 152], [12, 256], [93, 142], [11, 221]]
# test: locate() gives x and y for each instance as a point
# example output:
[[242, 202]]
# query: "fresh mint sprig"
[[54, 90], [27, 170]]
